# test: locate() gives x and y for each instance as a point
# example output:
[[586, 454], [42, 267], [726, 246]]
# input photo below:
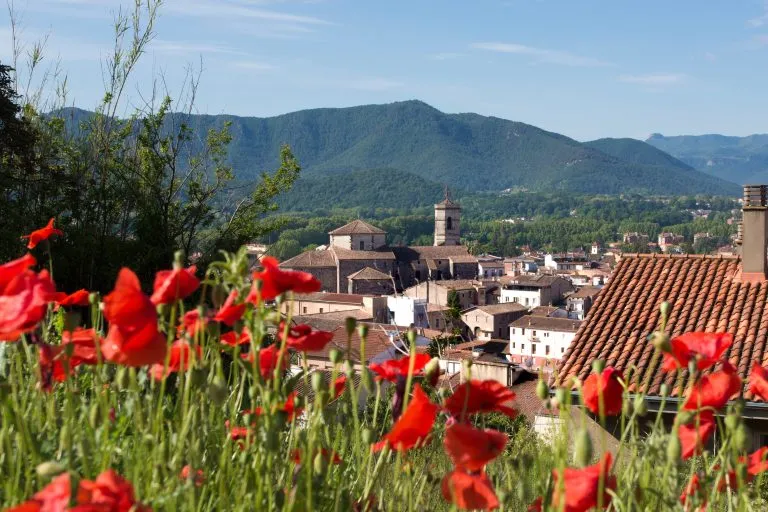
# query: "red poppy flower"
[[173, 285], [42, 234], [237, 433], [469, 491], [714, 390], [413, 426], [133, 338], [289, 408], [581, 486], [24, 301], [758, 381], [757, 462], [179, 360], [607, 385], [199, 476], [537, 505], [692, 488], [692, 436], [338, 385], [53, 497], [12, 269], [78, 298], [302, 338], [706, 348], [268, 360], [471, 448], [77, 348], [330, 457], [113, 493], [232, 339], [394, 368], [272, 281], [477, 396], [192, 323], [230, 312]]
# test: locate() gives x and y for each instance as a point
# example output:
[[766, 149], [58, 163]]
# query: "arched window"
[[449, 223]]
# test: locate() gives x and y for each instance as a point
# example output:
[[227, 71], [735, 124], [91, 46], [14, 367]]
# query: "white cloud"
[[542, 54], [187, 47], [373, 84], [759, 21], [252, 65], [710, 56], [653, 79], [227, 9], [446, 56]]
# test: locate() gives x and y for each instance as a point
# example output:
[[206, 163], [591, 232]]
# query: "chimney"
[[754, 234]]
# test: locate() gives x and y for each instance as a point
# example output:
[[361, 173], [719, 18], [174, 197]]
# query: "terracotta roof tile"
[[357, 227], [347, 254], [369, 274], [705, 294], [323, 258]]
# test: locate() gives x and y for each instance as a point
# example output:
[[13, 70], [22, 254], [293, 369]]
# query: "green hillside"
[[637, 152], [738, 159], [467, 151]]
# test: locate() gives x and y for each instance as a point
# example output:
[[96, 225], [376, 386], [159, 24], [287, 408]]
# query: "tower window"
[[449, 223]]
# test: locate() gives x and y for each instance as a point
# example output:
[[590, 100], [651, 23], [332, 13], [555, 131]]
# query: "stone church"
[[358, 259]]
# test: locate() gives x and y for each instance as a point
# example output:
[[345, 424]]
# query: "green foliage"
[[467, 151]]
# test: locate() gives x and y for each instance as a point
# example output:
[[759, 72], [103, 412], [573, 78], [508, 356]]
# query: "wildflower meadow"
[[196, 397]]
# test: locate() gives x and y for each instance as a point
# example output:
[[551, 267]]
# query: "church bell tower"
[[447, 219]]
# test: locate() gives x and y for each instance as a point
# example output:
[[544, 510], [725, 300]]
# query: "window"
[[562, 350], [513, 330], [522, 347], [305, 310], [362, 245], [513, 345], [522, 331], [546, 335], [526, 301], [321, 310], [534, 334], [449, 223], [499, 332], [546, 349], [437, 323], [533, 349]]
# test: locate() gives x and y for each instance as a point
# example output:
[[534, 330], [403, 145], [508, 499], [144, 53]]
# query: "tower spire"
[[447, 194]]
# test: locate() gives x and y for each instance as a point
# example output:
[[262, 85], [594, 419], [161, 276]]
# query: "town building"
[[522, 265], [357, 257], [373, 307], [669, 240], [405, 311], [550, 311], [470, 292], [488, 362], [488, 322], [635, 238], [596, 249], [538, 342], [701, 237], [580, 302], [705, 293], [532, 291], [490, 267], [566, 262]]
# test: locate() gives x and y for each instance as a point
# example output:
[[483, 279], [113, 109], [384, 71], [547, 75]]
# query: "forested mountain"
[[469, 151], [637, 152], [739, 159]]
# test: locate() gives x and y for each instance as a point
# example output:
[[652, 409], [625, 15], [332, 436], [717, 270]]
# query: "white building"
[[539, 341], [405, 311], [533, 291]]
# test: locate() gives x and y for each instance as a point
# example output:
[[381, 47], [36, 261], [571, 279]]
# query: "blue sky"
[[584, 68]]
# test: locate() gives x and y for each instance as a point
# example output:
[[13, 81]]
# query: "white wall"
[[407, 310], [521, 345], [520, 296]]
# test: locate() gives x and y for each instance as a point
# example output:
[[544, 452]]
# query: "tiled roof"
[[544, 310], [347, 254], [358, 227], [586, 291], [705, 294], [306, 259], [369, 274], [498, 309], [464, 258], [343, 298], [546, 323], [492, 264]]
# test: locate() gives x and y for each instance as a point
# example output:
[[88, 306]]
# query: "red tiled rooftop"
[[705, 294]]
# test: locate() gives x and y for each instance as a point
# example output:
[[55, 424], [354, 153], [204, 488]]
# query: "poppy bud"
[[542, 390], [740, 438], [367, 436], [432, 371], [84, 449], [218, 295], [93, 416], [641, 408], [319, 463], [664, 308], [335, 355], [350, 323], [598, 365], [93, 298], [561, 395], [218, 391], [660, 340], [692, 368], [467, 369], [731, 422], [664, 390], [122, 379], [583, 448], [362, 330], [367, 379], [684, 417], [198, 376], [674, 448], [64, 439], [626, 408], [162, 309], [349, 369], [178, 259], [411, 335], [49, 469], [318, 383]]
